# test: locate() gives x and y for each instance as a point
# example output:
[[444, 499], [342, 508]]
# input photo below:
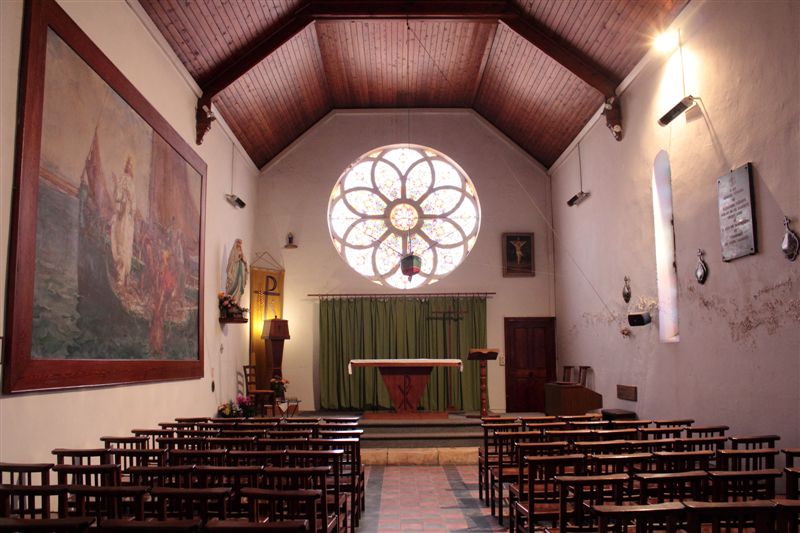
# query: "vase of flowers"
[[228, 308], [278, 384]]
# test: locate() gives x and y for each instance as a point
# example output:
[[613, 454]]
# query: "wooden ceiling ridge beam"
[[573, 60], [414, 9], [228, 73]]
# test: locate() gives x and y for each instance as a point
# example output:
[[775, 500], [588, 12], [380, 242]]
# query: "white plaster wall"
[[33, 424], [514, 193], [738, 359]]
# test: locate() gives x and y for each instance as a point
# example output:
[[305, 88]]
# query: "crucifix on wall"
[[448, 318]]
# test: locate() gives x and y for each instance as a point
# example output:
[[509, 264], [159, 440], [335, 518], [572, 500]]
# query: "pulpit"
[[275, 332], [482, 355]]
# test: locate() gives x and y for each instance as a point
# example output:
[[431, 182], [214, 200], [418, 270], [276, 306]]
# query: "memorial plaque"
[[737, 221]]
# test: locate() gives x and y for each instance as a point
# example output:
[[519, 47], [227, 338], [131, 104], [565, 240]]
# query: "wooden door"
[[530, 361]]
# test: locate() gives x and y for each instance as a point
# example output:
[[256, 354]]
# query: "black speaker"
[[639, 319]]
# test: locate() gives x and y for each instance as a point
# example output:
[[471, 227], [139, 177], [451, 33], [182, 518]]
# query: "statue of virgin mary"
[[237, 272]]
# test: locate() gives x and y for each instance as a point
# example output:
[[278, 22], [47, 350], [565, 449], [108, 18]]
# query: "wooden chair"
[[651, 446], [578, 493], [751, 516], [102, 475], [706, 431], [755, 459], [353, 476], [487, 454], [661, 432], [283, 506], [601, 447], [129, 458], [650, 518], [516, 490], [587, 416], [616, 434], [135, 442], [197, 457], [81, 456], [754, 442], [31, 501], [305, 478], [236, 478], [538, 497], [297, 443], [102, 503], [192, 419], [788, 515], [341, 499], [791, 454], [162, 476], [727, 485], [623, 463], [188, 503], [659, 487], [682, 461], [700, 443], [505, 470], [41, 525], [631, 424], [256, 458], [241, 432], [25, 473], [153, 435], [263, 399], [182, 443], [231, 443]]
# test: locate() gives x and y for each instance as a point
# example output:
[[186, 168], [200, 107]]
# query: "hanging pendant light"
[[410, 264]]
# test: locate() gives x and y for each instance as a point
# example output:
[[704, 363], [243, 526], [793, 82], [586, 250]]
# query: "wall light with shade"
[[666, 43], [274, 333]]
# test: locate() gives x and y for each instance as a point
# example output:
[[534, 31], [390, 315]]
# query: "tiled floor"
[[425, 498]]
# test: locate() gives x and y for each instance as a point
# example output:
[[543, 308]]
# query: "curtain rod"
[[394, 295]]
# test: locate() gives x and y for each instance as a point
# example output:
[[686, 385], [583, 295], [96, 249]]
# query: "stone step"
[[414, 439]]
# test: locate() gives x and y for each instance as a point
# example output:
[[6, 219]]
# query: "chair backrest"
[[197, 457], [706, 431], [758, 459], [683, 461], [25, 473], [162, 476], [104, 503], [754, 442], [81, 456], [133, 443], [278, 506], [256, 458], [105, 475], [187, 503], [250, 383], [153, 435], [658, 487], [31, 501]]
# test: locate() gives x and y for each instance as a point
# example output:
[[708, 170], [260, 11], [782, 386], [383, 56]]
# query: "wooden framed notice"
[[106, 255], [518, 255], [737, 218]]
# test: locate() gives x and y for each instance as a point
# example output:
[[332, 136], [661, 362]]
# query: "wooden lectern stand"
[[483, 355], [275, 332]]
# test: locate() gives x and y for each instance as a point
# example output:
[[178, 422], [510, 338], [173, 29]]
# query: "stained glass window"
[[403, 199]]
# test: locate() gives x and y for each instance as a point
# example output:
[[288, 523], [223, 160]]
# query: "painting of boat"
[[118, 227]]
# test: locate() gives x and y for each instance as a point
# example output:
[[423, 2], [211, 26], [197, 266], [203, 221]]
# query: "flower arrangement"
[[278, 384], [228, 308], [241, 407]]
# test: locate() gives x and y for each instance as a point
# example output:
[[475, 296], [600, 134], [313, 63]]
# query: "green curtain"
[[400, 328]]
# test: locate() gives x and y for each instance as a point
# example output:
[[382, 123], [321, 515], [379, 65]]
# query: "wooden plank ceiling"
[[275, 67]]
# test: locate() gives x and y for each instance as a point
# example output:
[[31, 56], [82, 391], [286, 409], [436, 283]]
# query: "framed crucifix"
[[517, 255]]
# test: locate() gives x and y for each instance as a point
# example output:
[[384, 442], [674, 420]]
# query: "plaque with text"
[[737, 221]]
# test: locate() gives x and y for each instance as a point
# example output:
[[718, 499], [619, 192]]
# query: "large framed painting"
[[106, 256]]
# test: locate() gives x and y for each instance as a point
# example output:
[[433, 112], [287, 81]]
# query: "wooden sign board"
[[627, 392], [737, 220]]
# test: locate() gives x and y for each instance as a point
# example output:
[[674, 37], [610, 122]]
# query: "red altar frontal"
[[405, 380]]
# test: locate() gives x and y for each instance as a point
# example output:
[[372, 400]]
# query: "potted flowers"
[[229, 310], [241, 407], [278, 384]]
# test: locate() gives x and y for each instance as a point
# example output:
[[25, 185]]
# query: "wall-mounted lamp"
[[639, 319], [677, 110], [581, 195], [290, 241], [235, 201]]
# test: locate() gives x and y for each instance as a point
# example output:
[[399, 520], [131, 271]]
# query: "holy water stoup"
[[791, 243]]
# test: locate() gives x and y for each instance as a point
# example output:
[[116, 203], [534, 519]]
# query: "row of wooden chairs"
[[560, 488]]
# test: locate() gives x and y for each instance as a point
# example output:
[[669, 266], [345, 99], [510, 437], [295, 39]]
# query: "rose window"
[[403, 200]]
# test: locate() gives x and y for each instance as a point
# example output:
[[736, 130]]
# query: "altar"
[[405, 379]]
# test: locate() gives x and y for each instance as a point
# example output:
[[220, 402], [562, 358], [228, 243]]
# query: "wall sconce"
[[235, 201], [290, 241]]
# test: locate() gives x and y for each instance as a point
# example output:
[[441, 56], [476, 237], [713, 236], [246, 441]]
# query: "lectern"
[[483, 355], [275, 332]]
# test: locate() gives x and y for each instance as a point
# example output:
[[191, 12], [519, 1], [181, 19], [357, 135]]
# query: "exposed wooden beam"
[[562, 52], [501, 10]]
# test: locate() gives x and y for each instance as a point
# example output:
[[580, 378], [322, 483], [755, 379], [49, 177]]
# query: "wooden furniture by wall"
[[263, 399], [570, 399]]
